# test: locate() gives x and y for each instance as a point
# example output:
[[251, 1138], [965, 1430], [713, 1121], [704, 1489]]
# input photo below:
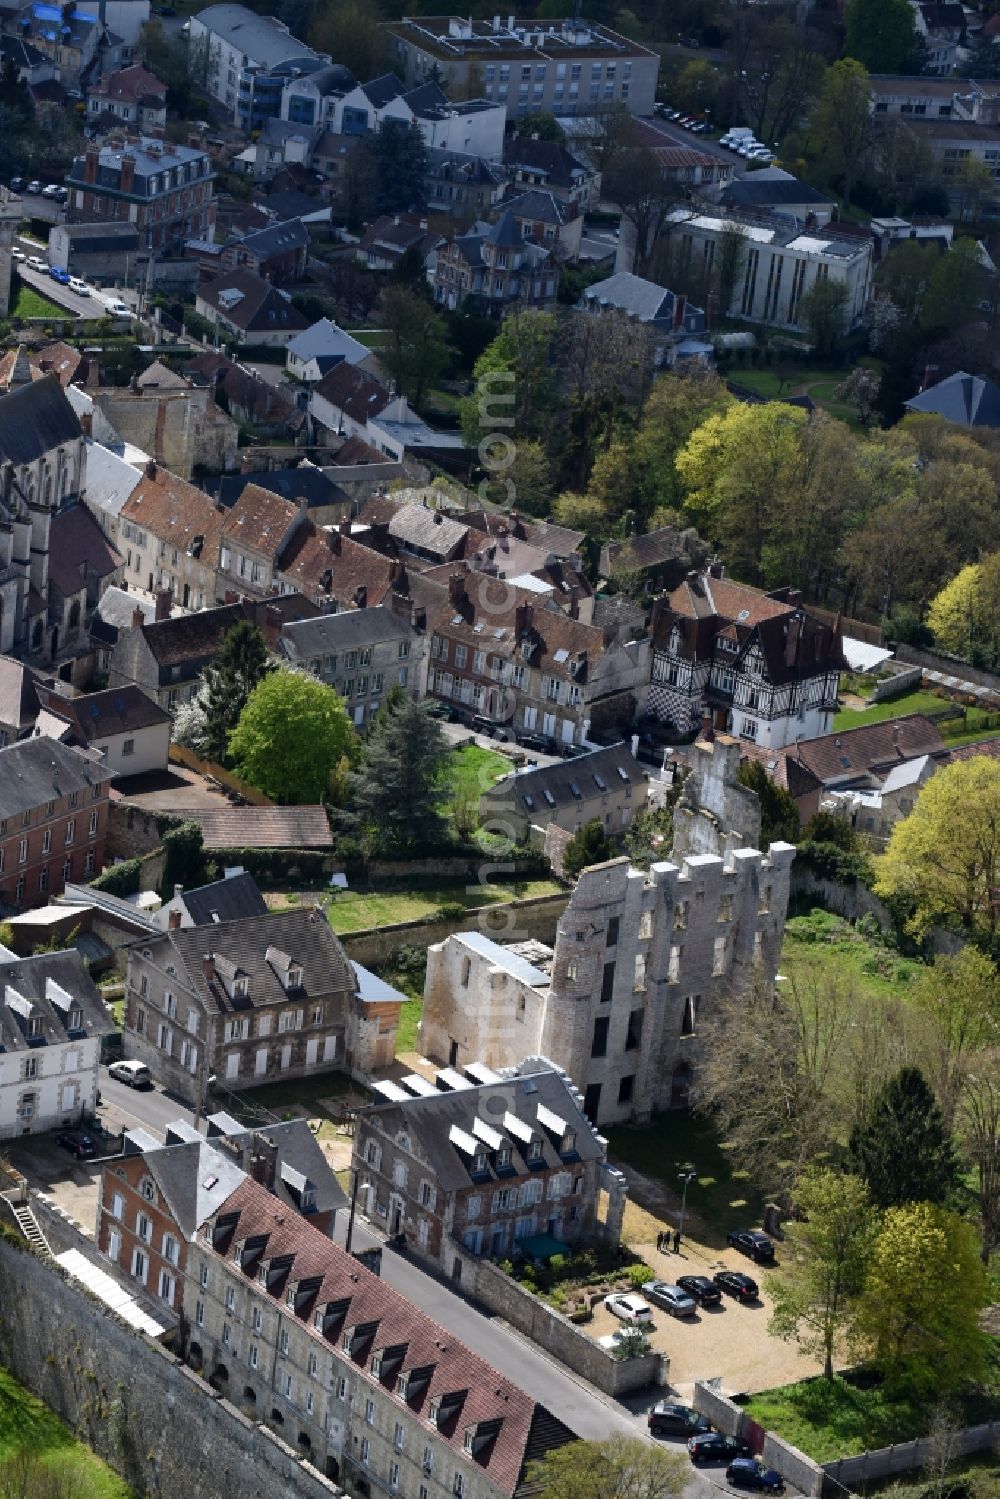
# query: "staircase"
[[28, 1224]]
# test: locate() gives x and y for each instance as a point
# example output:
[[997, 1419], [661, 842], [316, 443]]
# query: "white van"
[[736, 135], [116, 308], [136, 1074]]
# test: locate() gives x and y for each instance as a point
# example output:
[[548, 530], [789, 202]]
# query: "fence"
[[949, 666], [884, 1462], [182, 756]]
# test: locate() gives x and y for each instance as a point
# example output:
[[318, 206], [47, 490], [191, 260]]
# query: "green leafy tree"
[[902, 1150], [842, 121], [292, 735], [394, 798], [397, 157], [588, 845], [353, 35], [925, 1288], [779, 816], [882, 35], [823, 309], [616, 1468], [829, 1242], [514, 382], [943, 860], [959, 998], [415, 349], [954, 288], [229, 681]]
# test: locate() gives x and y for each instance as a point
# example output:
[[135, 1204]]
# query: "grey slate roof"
[[224, 900], [382, 90], [276, 239], [643, 299], [18, 697], [36, 771], [304, 935], [116, 710], [771, 187], [260, 37], [968, 399], [114, 612], [429, 1122], [183, 1170], [304, 639], [34, 419], [538, 205], [532, 789], [32, 980], [427, 530], [324, 337], [302, 483]]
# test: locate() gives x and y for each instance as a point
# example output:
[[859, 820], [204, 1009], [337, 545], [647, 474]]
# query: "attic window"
[[622, 773], [576, 791], [241, 987], [600, 782], [549, 797]]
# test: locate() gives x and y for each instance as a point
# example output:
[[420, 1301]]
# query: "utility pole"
[[687, 1176]]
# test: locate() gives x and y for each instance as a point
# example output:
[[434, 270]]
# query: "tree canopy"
[[394, 797], [882, 35], [240, 665], [292, 736], [779, 816], [588, 845], [902, 1150], [616, 1468]]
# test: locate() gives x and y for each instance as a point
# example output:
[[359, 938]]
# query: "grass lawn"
[[372, 338], [837, 1418], [406, 1031], [908, 702], [359, 910], [471, 771], [26, 302], [721, 1199], [27, 1422], [822, 940], [789, 377]]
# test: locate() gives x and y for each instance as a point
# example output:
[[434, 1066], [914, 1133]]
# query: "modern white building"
[[475, 126], [52, 1018], [779, 264], [246, 59]]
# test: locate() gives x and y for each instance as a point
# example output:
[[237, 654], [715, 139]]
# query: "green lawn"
[[360, 910], [472, 770], [26, 302], [909, 702], [406, 1031], [26, 1422], [827, 1419], [372, 338], [721, 1199], [791, 377], [827, 942]]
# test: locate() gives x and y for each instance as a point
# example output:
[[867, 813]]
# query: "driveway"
[[72, 1184], [730, 1343]]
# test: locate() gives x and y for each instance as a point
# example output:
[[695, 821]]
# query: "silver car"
[[671, 1298]]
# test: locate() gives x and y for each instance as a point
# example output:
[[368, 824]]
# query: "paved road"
[[49, 210], [83, 307]]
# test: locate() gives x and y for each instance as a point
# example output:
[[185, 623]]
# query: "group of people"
[[666, 1238]]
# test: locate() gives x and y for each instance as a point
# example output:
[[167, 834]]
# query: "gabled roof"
[[115, 611], [194, 1177], [350, 390], [324, 337], [275, 239], [653, 549], [305, 639], [632, 294], [549, 789], [48, 987], [968, 399], [157, 376], [261, 520], [110, 480], [18, 696], [427, 530], [304, 482], [382, 90], [332, 566], [177, 513], [191, 639], [36, 771], [523, 1429], [870, 749], [79, 550], [261, 827], [260, 37], [95, 716], [244, 945], [537, 205], [224, 900], [550, 158], [133, 83], [34, 419], [247, 301]]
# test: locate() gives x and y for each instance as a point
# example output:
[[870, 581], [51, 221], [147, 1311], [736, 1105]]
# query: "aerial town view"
[[500, 750]]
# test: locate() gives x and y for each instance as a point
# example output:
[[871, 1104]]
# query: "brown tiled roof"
[[261, 519], [130, 83], [706, 597], [352, 391], [356, 450], [192, 637], [264, 402], [526, 1430], [833, 758], [117, 710], [259, 298], [78, 549], [176, 512], [668, 544], [261, 827], [55, 358], [783, 768], [325, 565], [18, 694], [989, 747]]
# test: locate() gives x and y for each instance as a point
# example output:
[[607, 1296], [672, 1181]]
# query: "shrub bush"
[[120, 879], [638, 1275]]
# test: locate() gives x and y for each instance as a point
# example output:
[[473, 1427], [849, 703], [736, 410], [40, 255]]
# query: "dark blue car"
[[59, 275], [748, 1473]]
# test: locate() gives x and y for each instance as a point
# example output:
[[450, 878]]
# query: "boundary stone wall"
[[153, 1420], [884, 1462], [514, 921], [730, 1418]]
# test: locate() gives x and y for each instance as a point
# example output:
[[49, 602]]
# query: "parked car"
[[136, 1074], [78, 1144], [17, 184], [713, 1447], [18, 256], [118, 309], [80, 287], [669, 1419], [36, 263], [671, 1298], [635, 1334], [58, 274], [735, 1283], [704, 1291], [753, 1243], [748, 1473], [629, 1308], [51, 190], [34, 186], [61, 194]]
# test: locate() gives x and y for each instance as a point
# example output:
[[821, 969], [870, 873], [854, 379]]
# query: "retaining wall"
[[896, 685], [950, 666], [156, 1422], [514, 921], [732, 1419], [483, 1281], [883, 1462]]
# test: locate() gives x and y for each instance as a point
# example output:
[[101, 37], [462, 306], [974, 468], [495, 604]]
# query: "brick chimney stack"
[[208, 966], [138, 618], [164, 603], [127, 180], [456, 588], [173, 921], [90, 164]]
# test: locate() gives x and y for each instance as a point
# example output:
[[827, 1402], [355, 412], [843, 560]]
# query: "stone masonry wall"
[[726, 1416], [153, 1420], [515, 921]]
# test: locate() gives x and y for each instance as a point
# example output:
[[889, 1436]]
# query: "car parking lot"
[[730, 1342]]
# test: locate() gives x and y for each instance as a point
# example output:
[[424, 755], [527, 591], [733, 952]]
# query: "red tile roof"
[[324, 565], [261, 827], [177, 513], [525, 1428]]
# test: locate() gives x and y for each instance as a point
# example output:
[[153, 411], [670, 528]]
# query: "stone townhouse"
[[170, 534], [362, 653], [604, 785], [383, 1400], [762, 667], [176, 422], [130, 733], [288, 1160], [53, 819], [641, 958], [52, 1018], [495, 269], [491, 1165], [166, 191], [249, 1001], [152, 1200], [256, 533], [496, 653]]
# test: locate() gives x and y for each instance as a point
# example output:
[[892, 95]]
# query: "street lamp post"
[[687, 1177]]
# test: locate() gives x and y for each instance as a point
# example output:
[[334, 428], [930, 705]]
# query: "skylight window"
[[549, 797], [600, 782]]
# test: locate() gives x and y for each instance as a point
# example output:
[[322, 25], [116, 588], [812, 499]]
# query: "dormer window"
[[241, 988], [503, 1157], [568, 1143], [675, 641], [479, 1162], [35, 1026], [535, 1148]]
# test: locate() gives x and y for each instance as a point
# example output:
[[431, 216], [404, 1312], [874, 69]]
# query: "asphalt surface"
[[83, 307], [49, 210]]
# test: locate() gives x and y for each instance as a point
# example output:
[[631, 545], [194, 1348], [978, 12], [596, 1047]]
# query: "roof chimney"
[[208, 966], [173, 921], [138, 618], [456, 588], [164, 604], [931, 375], [151, 469]]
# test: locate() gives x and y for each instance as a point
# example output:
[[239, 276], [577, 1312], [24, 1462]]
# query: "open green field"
[[359, 910], [790, 377], [471, 771], [26, 1423], [827, 943], [26, 302]]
